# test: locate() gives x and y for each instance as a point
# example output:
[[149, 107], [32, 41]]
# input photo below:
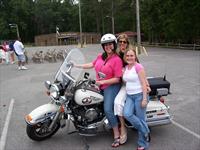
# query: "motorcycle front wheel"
[[40, 132]]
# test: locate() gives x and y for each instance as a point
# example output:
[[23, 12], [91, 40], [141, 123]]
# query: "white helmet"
[[108, 38]]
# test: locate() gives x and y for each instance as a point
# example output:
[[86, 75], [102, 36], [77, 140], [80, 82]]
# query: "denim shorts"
[[21, 58]]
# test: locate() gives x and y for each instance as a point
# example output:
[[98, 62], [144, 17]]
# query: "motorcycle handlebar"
[[92, 81]]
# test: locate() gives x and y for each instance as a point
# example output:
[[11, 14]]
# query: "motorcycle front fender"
[[41, 113]]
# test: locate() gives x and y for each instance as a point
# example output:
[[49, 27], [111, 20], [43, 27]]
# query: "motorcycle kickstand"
[[86, 144], [76, 131]]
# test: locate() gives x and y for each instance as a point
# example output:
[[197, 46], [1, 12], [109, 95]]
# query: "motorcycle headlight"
[[55, 91], [47, 84]]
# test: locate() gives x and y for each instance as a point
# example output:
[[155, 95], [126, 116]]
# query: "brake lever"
[[93, 83], [70, 64]]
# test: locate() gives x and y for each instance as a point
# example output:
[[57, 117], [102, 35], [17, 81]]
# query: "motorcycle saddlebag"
[[158, 82]]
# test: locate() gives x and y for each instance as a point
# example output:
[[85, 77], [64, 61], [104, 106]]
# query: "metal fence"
[[174, 45]]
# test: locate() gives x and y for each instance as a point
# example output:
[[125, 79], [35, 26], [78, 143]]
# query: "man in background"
[[12, 52], [19, 50]]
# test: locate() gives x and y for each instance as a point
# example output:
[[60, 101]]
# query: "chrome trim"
[[159, 122], [69, 77]]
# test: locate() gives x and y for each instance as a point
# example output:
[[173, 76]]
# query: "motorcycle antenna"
[[164, 78]]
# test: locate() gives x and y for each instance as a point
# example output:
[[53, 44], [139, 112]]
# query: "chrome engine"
[[86, 115], [88, 104], [91, 114]]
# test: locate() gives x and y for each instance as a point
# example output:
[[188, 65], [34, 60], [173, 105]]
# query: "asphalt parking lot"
[[22, 91]]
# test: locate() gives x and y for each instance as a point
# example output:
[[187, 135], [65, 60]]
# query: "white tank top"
[[131, 78]]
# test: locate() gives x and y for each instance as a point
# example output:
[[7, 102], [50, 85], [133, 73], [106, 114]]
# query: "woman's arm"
[[143, 82], [84, 66], [148, 86], [108, 81]]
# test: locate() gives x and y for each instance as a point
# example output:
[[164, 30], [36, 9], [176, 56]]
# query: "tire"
[[39, 132]]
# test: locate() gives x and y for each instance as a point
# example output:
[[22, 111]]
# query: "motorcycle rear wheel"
[[40, 132]]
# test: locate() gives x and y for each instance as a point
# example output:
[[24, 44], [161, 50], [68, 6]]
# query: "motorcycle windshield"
[[74, 56]]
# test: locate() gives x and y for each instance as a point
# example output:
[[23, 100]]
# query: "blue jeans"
[[135, 114], [109, 94]]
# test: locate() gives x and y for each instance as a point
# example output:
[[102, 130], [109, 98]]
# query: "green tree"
[[161, 21]]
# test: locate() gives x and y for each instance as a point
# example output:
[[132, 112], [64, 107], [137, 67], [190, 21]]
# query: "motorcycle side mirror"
[[86, 75], [47, 84]]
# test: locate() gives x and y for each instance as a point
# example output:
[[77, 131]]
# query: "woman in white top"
[[136, 98], [124, 45]]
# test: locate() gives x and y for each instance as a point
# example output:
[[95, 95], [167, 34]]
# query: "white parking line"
[[185, 129], [5, 128]]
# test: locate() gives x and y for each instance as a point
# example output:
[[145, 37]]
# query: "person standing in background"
[[5, 47], [2, 55], [19, 50], [12, 52]]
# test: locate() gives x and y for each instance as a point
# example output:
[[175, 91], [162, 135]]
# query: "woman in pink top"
[[108, 68]]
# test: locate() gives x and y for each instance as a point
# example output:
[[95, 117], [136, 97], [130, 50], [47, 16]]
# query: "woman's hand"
[[148, 89], [108, 81], [99, 82], [144, 103]]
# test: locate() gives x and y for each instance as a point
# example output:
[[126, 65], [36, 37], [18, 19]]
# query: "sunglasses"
[[123, 42]]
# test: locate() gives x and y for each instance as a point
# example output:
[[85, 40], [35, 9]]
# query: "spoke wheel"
[[41, 132]]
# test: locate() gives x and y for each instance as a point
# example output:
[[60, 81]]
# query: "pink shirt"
[[110, 68]]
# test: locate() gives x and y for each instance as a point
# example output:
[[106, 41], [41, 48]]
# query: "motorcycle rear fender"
[[41, 113]]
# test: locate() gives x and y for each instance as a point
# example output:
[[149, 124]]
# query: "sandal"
[[140, 148], [123, 138], [116, 142]]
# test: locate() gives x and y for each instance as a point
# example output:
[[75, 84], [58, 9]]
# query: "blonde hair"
[[123, 36], [131, 48]]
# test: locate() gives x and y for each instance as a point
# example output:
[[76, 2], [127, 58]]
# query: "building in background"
[[66, 38]]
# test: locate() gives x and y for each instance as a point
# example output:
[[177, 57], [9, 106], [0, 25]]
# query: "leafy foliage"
[[161, 21]]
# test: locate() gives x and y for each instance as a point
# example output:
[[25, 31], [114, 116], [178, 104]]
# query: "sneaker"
[[19, 68], [24, 68]]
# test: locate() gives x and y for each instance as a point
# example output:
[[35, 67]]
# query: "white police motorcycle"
[[78, 100]]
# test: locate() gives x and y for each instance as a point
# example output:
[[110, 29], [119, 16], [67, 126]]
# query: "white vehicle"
[[78, 100], [157, 112]]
